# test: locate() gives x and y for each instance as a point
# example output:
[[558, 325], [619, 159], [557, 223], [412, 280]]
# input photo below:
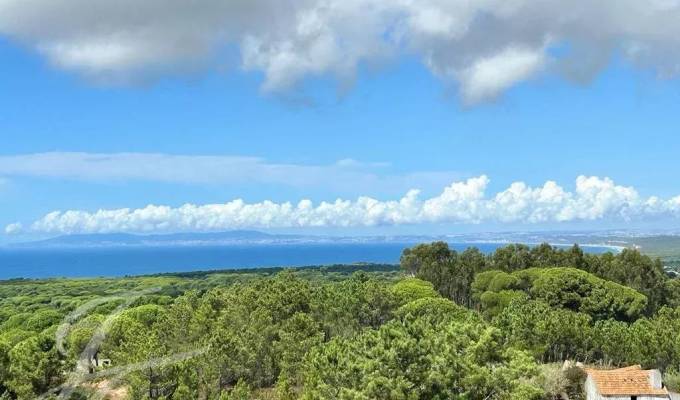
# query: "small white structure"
[[630, 383], [100, 362]]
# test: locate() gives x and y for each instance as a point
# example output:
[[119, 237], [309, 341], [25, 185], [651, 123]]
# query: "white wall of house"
[[652, 397], [656, 379], [592, 394]]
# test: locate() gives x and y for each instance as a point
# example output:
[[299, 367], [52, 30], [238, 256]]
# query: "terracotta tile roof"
[[624, 381]]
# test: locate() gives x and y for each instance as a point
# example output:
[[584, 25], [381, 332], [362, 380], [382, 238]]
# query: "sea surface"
[[121, 261]]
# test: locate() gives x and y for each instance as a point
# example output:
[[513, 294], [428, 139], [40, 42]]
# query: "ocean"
[[122, 261]]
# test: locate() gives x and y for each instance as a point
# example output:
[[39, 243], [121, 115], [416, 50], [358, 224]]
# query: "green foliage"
[[514, 257], [635, 270], [5, 348], [613, 340], [452, 274], [493, 303], [556, 334], [43, 319], [549, 334], [15, 321], [580, 291], [411, 289], [190, 311], [260, 325], [672, 290], [672, 380], [347, 307], [336, 332], [15, 335], [240, 392], [576, 378], [146, 314], [657, 344], [415, 357], [34, 366], [183, 392], [434, 310], [567, 288], [552, 381], [81, 333]]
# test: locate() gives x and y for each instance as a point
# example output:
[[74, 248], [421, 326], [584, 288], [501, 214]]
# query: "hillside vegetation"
[[449, 325]]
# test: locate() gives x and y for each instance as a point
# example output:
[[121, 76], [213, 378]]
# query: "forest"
[[441, 325]]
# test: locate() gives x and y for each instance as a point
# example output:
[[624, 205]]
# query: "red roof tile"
[[624, 381]]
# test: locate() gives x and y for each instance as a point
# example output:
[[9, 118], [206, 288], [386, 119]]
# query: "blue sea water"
[[121, 261]]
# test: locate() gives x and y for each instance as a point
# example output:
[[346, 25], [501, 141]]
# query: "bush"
[[552, 381], [240, 392], [672, 380], [577, 379]]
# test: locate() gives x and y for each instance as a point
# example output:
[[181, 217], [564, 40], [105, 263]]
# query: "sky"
[[337, 117]]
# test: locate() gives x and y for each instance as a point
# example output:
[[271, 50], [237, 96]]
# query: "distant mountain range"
[[250, 237], [172, 239], [238, 237]]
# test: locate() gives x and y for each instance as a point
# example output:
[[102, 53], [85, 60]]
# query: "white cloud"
[[488, 77], [485, 46], [346, 175], [13, 228], [463, 202]]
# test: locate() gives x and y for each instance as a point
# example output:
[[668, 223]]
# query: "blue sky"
[[396, 126]]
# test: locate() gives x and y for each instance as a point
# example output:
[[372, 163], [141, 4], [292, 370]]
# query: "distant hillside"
[[210, 239], [665, 246], [126, 239]]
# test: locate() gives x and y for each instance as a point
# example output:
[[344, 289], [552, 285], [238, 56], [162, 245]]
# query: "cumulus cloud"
[[464, 202], [484, 46], [346, 175]]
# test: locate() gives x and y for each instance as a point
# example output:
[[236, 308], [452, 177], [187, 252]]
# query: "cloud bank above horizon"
[[463, 202], [482, 47]]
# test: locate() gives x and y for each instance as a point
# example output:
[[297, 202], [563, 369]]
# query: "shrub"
[[672, 380], [552, 381]]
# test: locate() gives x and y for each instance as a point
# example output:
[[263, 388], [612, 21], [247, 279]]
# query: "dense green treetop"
[[567, 288], [453, 273]]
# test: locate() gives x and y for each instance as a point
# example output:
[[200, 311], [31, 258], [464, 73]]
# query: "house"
[[630, 383]]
